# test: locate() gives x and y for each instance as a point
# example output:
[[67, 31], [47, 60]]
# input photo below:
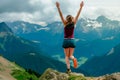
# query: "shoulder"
[[74, 21], [65, 23]]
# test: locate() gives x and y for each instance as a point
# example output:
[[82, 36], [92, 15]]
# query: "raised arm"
[[60, 13], [77, 16]]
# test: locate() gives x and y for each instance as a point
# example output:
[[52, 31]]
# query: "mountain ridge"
[[25, 53], [88, 31], [108, 63]]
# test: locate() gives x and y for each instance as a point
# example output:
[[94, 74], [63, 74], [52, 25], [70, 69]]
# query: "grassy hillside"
[[11, 71]]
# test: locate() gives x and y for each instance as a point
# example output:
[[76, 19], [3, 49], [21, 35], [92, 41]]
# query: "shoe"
[[75, 64], [68, 71]]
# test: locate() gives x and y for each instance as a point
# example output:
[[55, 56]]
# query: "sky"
[[45, 11]]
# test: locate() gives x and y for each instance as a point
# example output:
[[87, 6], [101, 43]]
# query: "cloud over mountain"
[[40, 11]]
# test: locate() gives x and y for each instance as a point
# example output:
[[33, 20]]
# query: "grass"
[[14, 66], [18, 72], [23, 75], [77, 78], [1, 69]]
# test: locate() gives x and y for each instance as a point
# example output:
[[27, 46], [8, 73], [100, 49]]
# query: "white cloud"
[[81, 60], [58, 57], [38, 11]]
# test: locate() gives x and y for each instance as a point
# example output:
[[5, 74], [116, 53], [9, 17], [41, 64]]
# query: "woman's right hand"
[[57, 4]]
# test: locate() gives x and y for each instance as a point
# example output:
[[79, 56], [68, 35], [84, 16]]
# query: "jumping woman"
[[69, 41]]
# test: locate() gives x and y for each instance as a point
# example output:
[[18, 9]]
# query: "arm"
[[76, 18], [60, 13]]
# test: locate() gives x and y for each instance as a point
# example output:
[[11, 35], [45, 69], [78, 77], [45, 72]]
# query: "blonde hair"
[[69, 18]]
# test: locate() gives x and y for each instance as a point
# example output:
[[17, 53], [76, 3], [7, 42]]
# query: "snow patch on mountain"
[[93, 23], [32, 54], [43, 28], [90, 25], [35, 41], [24, 27], [76, 40], [109, 38], [111, 52], [2, 34]]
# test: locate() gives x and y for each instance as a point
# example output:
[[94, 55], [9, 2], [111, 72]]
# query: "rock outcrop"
[[51, 74]]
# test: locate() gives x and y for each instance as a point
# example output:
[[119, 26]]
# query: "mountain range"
[[101, 65], [94, 37], [26, 53], [90, 35], [10, 43]]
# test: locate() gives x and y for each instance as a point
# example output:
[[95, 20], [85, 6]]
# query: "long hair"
[[69, 19]]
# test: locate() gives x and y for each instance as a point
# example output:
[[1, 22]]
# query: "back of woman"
[[69, 41]]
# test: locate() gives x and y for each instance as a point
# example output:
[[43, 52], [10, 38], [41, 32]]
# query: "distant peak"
[[4, 27], [3, 23], [101, 18]]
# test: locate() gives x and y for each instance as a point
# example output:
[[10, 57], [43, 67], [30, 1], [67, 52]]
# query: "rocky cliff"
[[51, 74]]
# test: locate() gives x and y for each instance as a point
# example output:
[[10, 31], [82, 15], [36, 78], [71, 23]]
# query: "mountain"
[[11, 71], [43, 36], [4, 28], [21, 27], [106, 64], [10, 43], [25, 53], [51, 74], [91, 35]]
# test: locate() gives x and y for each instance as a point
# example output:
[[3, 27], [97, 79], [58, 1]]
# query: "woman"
[[69, 43]]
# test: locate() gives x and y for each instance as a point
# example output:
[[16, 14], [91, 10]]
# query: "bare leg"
[[71, 53], [67, 55]]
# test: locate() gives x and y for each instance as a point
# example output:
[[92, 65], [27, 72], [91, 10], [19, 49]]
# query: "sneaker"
[[75, 63], [68, 71]]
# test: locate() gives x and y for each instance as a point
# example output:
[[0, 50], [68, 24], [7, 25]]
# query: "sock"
[[72, 57]]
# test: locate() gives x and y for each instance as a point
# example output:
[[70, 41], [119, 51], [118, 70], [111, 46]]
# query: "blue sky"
[[42, 11]]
